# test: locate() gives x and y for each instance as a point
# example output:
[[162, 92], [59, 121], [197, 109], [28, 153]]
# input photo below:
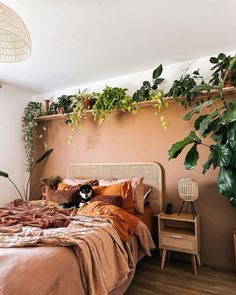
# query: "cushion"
[[113, 200], [137, 190], [63, 196], [123, 189], [77, 181]]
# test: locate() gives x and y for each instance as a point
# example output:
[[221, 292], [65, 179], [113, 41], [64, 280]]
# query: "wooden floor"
[[177, 279]]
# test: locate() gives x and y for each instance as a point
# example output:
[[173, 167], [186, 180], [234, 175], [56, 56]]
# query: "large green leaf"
[[229, 115], [231, 136], [191, 157], [214, 60], [204, 125], [198, 121], [4, 174], [212, 127], [221, 155], [203, 87], [208, 164], [233, 201], [44, 156], [177, 147], [157, 72], [199, 107], [225, 182]]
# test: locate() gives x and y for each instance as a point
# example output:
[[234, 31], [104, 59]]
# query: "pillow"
[[77, 181], [137, 190], [113, 200], [63, 196], [123, 189]]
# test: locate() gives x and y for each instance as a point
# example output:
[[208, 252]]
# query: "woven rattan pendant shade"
[[15, 42]]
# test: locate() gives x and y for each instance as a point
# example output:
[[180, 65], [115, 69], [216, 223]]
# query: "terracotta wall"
[[125, 137]]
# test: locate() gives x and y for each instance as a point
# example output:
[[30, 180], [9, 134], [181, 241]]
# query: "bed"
[[93, 260]]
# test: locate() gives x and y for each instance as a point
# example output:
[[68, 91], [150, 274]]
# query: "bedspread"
[[104, 260]]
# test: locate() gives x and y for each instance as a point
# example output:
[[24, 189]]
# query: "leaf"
[[44, 156], [146, 84], [177, 147], [157, 72], [191, 157], [214, 60], [206, 122], [225, 182], [233, 201], [196, 73], [228, 116], [231, 135], [199, 107], [208, 164], [221, 155], [221, 56], [158, 81], [4, 174], [204, 87], [198, 121]]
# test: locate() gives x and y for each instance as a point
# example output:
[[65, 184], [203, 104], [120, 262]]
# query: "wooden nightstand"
[[179, 232], [234, 234]]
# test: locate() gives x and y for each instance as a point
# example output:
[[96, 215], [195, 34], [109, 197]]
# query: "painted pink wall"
[[125, 137]]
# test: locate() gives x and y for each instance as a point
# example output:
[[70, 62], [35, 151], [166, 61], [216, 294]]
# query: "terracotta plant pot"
[[88, 103]]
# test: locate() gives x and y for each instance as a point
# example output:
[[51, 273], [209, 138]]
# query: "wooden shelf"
[[143, 104]]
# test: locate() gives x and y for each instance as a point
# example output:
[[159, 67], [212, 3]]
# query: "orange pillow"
[[123, 189]]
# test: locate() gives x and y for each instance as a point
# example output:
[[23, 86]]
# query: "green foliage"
[[224, 69], [146, 90], [112, 98], [218, 123], [182, 89], [64, 104], [31, 112]]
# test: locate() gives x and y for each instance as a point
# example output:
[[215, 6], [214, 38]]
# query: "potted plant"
[[112, 98], [182, 89], [29, 122], [221, 70], [64, 104], [218, 123], [146, 90], [87, 99]]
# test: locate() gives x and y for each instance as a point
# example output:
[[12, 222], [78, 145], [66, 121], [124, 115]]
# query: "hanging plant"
[[31, 112], [112, 98]]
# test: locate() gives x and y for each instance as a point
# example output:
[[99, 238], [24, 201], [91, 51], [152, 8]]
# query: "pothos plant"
[[110, 99], [29, 122], [218, 123]]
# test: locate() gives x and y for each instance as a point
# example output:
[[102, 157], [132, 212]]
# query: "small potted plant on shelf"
[[87, 99], [64, 104], [221, 70], [112, 98]]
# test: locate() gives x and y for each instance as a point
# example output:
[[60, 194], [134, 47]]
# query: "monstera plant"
[[219, 124]]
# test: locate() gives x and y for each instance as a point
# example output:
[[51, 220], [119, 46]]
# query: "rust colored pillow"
[[77, 181], [113, 200], [63, 196], [123, 189], [67, 185]]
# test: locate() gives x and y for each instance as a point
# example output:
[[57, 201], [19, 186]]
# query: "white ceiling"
[[82, 41]]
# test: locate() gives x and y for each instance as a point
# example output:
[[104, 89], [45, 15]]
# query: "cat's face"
[[86, 192]]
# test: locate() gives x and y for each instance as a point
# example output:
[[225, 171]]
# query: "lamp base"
[[187, 205]]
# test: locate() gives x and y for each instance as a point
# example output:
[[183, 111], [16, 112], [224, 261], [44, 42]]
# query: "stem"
[[205, 145], [16, 189]]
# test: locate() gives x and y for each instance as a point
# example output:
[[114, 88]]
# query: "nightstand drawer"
[[177, 243]]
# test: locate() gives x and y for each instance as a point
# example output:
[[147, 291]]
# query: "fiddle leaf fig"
[[208, 164], [191, 157], [229, 115], [221, 155], [231, 135], [177, 147], [198, 121], [225, 182]]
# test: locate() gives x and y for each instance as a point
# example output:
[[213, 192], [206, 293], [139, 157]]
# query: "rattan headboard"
[[150, 171]]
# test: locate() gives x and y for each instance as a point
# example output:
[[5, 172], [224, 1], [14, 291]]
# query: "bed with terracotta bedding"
[[45, 249]]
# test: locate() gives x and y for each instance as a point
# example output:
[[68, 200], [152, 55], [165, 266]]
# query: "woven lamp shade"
[[15, 42]]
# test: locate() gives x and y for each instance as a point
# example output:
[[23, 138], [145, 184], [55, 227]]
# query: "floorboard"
[[177, 279]]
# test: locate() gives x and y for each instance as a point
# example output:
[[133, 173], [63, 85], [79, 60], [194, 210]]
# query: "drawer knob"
[[176, 237]]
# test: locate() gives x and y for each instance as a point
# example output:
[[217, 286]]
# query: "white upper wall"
[[134, 81], [12, 157]]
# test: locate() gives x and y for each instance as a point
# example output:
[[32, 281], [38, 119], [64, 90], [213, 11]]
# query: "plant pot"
[[229, 78], [88, 103]]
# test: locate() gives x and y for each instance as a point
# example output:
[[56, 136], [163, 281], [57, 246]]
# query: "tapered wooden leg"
[[198, 259], [193, 257], [163, 257]]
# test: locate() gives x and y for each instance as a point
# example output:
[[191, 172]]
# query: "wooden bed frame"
[[151, 171]]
